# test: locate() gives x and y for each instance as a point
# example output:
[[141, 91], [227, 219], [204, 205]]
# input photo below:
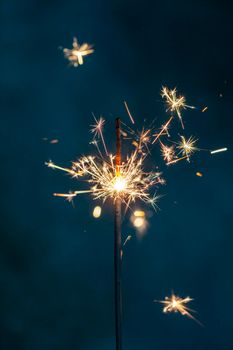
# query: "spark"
[[76, 54], [198, 173], [97, 130], [128, 111], [127, 240], [163, 128], [176, 304], [176, 160], [174, 102], [168, 152], [50, 164], [187, 146], [219, 150], [204, 109]]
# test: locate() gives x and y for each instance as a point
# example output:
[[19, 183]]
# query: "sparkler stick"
[[117, 247]]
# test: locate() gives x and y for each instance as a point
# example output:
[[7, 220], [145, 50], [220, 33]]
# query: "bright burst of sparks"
[[76, 54], [187, 146], [132, 183], [176, 304], [174, 102], [129, 181]]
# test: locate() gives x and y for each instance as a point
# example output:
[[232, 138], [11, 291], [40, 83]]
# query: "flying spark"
[[219, 150], [174, 102], [97, 130], [164, 130], [76, 54], [176, 304], [128, 111]]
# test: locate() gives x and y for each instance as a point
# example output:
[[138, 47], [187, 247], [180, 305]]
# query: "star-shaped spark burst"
[[76, 54], [187, 146], [174, 102], [168, 152], [176, 304]]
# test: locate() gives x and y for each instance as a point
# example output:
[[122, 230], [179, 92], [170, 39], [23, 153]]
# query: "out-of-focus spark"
[[198, 173], [128, 111], [139, 222], [174, 102], [54, 141], [97, 212], [219, 150], [168, 153], [187, 146], [163, 128], [139, 213], [204, 109], [76, 54], [97, 130], [176, 304]]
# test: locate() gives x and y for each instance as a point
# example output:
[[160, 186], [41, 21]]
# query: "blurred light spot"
[[199, 174], [54, 141], [139, 213], [97, 212], [139, 222]]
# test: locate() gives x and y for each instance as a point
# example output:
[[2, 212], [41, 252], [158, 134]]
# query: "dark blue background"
[[56, 262]]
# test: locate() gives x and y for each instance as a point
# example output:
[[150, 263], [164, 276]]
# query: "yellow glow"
[[120, 184], [139, 213], [139, 222], [97, 212]]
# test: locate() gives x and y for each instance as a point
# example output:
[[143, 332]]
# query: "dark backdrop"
[[56, 261]]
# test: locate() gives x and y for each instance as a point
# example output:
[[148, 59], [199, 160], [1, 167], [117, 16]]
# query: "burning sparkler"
[[76, 54], [124, 180], [176, 304], [174, 102]]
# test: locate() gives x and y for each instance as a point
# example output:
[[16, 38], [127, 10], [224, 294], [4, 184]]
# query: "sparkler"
[[175, 103], [176, 304], [76, 54], [124, 180]]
